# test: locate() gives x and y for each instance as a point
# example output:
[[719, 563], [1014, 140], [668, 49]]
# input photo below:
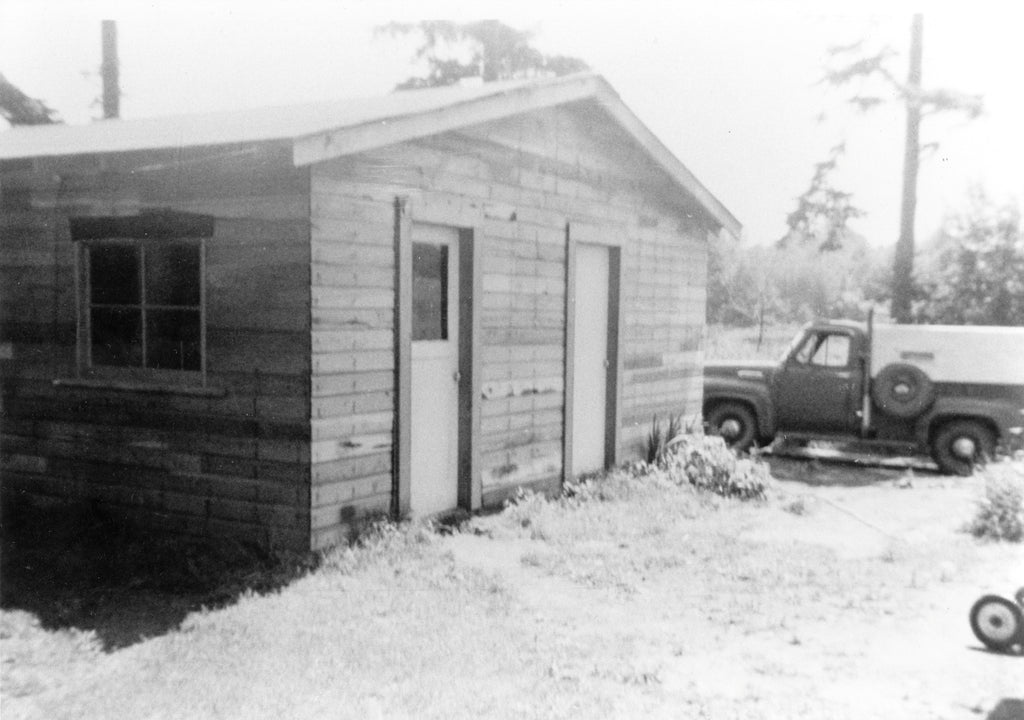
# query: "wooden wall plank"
[[236, 462]]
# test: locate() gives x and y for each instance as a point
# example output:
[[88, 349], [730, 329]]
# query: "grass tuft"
[[381, 542], [1000, 513]]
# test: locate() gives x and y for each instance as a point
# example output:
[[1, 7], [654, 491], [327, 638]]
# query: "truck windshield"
[[793, 344]]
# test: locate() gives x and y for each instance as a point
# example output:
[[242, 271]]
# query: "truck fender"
[[756, 398], [989, 412]]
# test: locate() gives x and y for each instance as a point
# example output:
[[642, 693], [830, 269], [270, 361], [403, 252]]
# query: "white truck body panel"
[[953, 353]]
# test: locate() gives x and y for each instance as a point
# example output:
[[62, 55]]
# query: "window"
[[824, 350], [141, 305], [144, 304], [429, 291]]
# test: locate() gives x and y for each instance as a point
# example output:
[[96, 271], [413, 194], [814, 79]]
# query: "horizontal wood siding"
[[352, 381], [232, 461], [518, 181]]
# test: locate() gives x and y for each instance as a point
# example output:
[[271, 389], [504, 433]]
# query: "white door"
[[435, 370], [590, 354]]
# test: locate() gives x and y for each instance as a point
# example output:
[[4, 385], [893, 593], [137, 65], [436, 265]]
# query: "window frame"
[[818, 338], [85, 367]]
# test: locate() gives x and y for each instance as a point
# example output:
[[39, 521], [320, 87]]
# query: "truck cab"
[[826, 386]]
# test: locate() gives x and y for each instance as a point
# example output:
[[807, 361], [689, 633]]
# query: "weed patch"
[[1000, 513], [381, 543]]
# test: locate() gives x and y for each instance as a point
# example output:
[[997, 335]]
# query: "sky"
[[731, 87]]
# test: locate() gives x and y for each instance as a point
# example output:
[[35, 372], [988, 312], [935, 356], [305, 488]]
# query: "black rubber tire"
[[945, 438], [902, 390], [738, 413], [997, 622]]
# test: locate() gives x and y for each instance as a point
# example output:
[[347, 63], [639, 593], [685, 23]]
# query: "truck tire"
[[959, 445], [733, 422], [902, 390]]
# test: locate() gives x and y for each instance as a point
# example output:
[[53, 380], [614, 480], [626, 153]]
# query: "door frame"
[[470, 481], [574, 235]]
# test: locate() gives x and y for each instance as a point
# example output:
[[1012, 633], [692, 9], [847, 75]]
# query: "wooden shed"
[[269, 324]]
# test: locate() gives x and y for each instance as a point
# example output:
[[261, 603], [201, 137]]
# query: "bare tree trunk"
[[903, 264]]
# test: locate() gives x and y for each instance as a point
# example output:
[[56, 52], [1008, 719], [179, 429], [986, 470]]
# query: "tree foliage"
[[877, 83], [823, 212], [865, 75], [976, 274], [488, 49], [793, 283], [17, 108]]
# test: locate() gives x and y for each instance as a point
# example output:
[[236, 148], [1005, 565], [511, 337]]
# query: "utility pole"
[[903, 263], [110, 72]]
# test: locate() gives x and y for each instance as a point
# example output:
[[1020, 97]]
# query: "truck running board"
[[900, 447]]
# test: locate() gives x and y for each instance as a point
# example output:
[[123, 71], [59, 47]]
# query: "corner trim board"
[[402, 444]]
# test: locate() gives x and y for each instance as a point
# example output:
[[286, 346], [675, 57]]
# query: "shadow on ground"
[[843, 466], [77, 568], [1007, 709]]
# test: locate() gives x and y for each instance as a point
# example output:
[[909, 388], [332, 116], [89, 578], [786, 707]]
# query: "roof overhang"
[[323, 131], [322, 146]]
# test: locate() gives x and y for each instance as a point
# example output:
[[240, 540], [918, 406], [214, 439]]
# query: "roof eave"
[[611, 102]]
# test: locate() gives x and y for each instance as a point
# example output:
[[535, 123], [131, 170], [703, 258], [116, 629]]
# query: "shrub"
[[707, 464], [659, 440], [1000, 513]]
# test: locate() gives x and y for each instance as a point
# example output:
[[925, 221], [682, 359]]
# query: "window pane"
[[173, 339], [116, 336], [172, 273], [114, 274], [833, 352], [429, 292]]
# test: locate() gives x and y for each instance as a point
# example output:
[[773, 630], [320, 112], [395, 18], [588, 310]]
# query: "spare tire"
[[902, 390]]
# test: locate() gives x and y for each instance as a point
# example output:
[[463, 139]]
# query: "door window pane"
[[429, 292], [114, 274], [172, 274], [117, 336]]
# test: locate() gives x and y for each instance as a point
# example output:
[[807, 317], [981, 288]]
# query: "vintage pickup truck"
[[956, 392]]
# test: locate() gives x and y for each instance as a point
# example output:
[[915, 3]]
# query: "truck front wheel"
[[735, 423], [960, 445]]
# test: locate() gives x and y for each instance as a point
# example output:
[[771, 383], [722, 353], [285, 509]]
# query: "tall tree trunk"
[[903, 263], [111, 71]]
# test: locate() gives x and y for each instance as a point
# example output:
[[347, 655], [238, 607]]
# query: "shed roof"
[[321, 131]]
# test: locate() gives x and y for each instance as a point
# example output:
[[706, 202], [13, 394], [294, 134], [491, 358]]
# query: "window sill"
[[136, 386]]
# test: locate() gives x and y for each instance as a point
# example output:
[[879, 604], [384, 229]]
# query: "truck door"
[[818, 387]]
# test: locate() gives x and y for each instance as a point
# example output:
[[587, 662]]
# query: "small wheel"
[[960, 445], [735, 423], [1019, 597], [997, 622], [902, 390]]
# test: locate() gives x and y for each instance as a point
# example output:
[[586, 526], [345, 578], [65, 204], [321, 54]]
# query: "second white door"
[[590, 358]]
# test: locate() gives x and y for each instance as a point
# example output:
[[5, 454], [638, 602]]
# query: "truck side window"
[[824, 350], [833, 351]]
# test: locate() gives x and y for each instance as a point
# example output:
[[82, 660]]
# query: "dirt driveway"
[[848, 598], [844, 596]]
